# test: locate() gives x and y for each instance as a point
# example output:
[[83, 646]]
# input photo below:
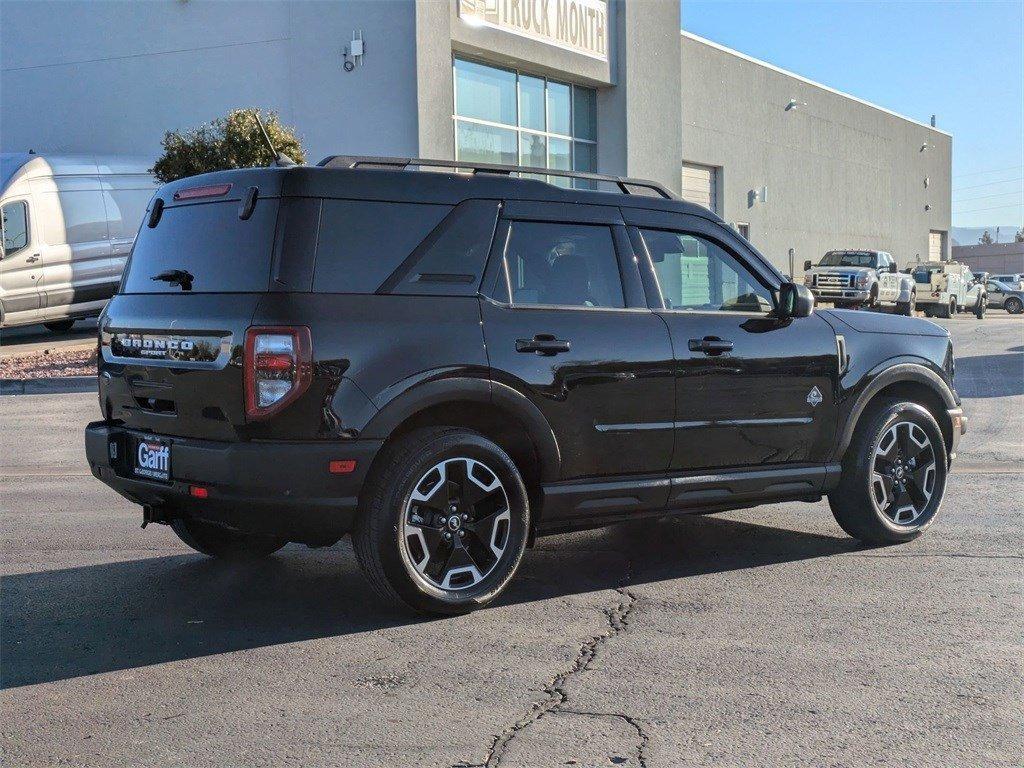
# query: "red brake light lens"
[[211, 190], [278, 368]]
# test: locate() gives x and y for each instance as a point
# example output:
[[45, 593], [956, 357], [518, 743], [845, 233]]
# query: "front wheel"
[[894, 474], [443, 522], [1014, 305], [980, 307], [907, 308], [224, 543]]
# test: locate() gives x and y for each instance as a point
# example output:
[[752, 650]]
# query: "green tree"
[[986, 238], [234, 141], [1019, 237]]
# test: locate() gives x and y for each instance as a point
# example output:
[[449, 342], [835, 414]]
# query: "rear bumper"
[[283, 488]]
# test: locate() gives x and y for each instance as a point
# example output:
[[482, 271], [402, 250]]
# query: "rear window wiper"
[[180, 277]]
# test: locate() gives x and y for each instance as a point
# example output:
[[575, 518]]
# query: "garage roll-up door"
[[935, 249], [700, 185]]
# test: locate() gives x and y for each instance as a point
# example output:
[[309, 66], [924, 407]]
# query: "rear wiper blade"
[[180, 277]]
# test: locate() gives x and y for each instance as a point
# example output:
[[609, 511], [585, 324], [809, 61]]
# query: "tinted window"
[[15, 226], [838, 259], [451, 260], [698, 274], [563, 264], [222, 252], [362, 243]]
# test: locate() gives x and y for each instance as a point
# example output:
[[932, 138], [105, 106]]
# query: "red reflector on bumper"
[[198, 492], [342, 467]]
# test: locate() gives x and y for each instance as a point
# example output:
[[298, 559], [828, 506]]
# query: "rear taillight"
[[278, 368]]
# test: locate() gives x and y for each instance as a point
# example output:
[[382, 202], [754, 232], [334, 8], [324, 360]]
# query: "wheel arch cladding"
[[497, 411], [911, 381]]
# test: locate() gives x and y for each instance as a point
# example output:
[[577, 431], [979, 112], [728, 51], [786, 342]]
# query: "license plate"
[[152, 459]]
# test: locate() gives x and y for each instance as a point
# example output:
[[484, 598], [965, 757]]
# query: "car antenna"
[[281, 160]]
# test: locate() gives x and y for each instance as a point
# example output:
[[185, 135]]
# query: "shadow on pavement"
[[99, 618], [990, 375]]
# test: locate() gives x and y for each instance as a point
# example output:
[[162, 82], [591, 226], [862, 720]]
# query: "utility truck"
[[861, 278], [947, 287]]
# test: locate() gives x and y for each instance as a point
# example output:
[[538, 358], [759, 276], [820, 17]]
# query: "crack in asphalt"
[[556, 695]]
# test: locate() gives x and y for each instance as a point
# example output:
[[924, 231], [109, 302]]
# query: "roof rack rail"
[[625, 184]]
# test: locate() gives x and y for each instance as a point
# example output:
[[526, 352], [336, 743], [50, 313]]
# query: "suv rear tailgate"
[[171, 364]]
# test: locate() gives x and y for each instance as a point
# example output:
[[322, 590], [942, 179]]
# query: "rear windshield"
[[848, 260], [220, 252]]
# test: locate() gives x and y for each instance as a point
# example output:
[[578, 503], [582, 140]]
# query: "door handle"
[[710, 345], [33, 258], [543, 344]]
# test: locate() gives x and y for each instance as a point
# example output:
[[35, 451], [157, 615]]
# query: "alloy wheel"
[[455, 527], [903, 473]]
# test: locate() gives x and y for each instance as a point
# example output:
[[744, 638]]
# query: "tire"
[[906, 308], [944, 311], [1013, 305], [223, 543], [887, 494], [929, 312], [59, 326], [873, 298], [418, 554], [980, 307]]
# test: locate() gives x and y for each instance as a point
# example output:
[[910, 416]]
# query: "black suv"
[[448, 364]]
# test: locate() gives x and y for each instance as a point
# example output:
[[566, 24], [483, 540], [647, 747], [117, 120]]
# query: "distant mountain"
[[970, 235]]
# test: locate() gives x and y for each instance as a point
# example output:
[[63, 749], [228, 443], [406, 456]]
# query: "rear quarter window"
[[362, 243]]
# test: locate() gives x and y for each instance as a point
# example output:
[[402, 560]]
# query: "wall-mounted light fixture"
[[757, 196], [925, 146], [927, 181], [794, 104]]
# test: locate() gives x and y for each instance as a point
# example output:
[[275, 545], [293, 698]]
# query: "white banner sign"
[[576, 25]]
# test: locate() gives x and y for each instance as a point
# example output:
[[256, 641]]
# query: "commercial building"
[[606, 85], [994, 258]]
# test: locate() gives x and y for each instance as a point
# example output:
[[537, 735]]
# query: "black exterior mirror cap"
[[807, 265], [893, 268], [795, 300]]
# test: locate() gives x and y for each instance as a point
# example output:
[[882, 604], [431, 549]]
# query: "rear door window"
[[568, 265], [222, 253], [362, 243]]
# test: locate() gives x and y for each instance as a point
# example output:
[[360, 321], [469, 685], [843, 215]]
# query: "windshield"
[[841, 259]]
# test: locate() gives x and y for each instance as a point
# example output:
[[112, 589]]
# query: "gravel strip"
[[49, 364]]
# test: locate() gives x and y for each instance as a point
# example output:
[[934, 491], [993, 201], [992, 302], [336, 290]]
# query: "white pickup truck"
[[947, 287], [857, 278]]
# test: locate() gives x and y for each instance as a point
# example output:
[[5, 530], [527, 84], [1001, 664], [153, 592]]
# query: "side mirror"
[[795, 300], [892, 267], [807, 266]]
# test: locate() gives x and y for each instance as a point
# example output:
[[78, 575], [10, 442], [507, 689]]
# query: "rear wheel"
[[894, 474], [224, 543], [1014, 305], [946, 310], [907, 307], [443, 521], [59, 326], [980, 307]]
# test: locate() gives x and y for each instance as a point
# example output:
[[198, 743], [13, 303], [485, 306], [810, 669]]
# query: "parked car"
[[857, 278], [948, 287], [1015, 280], [68, 226], [446, 365], [1002, 295]]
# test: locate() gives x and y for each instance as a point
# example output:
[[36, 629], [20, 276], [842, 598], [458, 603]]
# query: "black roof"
[[386, 183]]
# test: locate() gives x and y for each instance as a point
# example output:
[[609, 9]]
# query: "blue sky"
[[962, 61]]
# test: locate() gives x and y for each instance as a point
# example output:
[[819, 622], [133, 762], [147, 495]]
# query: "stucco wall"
[[122, 73], [840, 173]]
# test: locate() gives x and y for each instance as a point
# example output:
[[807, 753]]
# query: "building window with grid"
[[508, 117]]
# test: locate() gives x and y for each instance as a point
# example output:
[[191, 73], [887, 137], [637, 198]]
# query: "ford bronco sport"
[[448, 364]]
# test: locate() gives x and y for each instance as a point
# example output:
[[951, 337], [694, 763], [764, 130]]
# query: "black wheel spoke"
[[903, 459], [455, 528]]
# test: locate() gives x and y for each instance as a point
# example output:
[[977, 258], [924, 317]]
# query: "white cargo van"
[[68, 225]]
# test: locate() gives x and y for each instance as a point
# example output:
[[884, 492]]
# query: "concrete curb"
[[51, 386]]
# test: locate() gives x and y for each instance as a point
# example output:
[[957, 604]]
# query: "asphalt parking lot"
[[756, 638]]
